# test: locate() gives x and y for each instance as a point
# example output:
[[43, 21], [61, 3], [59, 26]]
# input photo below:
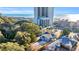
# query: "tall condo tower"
[[43, 16]]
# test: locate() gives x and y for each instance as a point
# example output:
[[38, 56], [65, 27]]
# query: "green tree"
[[33, 37], [31, 28], [8, 30], [8, 19], [2, 39], [76, 30], [21, 22], [66, 31], [10, 46], [22, 37]]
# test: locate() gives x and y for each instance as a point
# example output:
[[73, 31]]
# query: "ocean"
[[18, 15]]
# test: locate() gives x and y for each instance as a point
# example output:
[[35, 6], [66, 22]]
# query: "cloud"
[[73, 17], [70, 17]]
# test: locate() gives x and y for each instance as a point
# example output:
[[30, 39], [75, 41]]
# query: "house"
[[67, 42], [35, 46], [46, 37], [58, 33], [77, 48], [44, 40], [53, 46], [64, 43], [77, 36]]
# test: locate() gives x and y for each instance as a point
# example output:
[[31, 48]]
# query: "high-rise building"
[[43, 16]]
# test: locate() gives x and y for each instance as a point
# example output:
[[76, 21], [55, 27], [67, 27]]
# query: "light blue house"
[[45, 38], [64, 41], [67, 42]]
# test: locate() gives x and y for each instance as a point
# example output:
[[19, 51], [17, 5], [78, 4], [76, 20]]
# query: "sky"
[[66, 10], [72, 12], [16, 10], [30, 10]]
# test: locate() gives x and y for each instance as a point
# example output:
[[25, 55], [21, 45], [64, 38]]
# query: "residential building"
[[43, 16]]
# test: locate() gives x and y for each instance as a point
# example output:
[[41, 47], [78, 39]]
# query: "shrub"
[[10, 46]]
